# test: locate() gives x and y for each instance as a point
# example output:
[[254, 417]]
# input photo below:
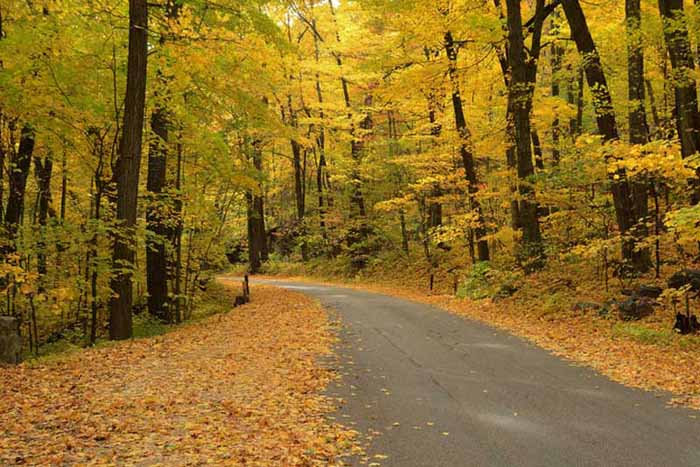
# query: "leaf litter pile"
[[244, 388]]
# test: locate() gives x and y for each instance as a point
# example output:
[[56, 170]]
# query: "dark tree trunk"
[[157, 214], [639, 131], [298, 181], [605, 119], [254, 262], [127, 173], [556, 59], [520, 94], [320, 142], [159, 208], [357, 149], [177, 235], [464, 149], [257, 238], [434, 208], [687, 117], [2, 175], [94, 305], [64, 187], [359, 229], [98, 150], [404, 232], [20, 163], [537, 149], [259, 206], [43, 170]]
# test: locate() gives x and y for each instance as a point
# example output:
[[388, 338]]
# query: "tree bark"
[[127, 173], [43, 170], [520, 94], [20, 163], [157, 217], [639, 130], [257, 238], [158, 211], [321, 169], [537, 149], [451, 50], [557, 54], [685, 87], [434, 208], [605, 119]]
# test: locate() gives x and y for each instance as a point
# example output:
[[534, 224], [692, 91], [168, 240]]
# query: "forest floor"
[[645, 355], [245, 387]]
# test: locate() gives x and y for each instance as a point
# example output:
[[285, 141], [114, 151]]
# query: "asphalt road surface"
[[445, 391]]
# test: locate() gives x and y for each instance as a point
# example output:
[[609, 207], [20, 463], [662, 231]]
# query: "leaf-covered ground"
[[609, 346], [243, 388]]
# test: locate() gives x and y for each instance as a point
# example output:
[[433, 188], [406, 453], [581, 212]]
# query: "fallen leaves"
[[241, 388]]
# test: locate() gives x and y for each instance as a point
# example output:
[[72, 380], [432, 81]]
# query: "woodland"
[[478, 147]]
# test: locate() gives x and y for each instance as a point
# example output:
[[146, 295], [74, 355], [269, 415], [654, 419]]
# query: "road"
[[446, 391]]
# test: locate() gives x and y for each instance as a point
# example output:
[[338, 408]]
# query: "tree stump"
[[10, 340]]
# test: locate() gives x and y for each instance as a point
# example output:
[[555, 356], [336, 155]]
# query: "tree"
[[127, 173], [20, 164], [520, 102], [467, 157], [605, 119], [160, 208], [684, 85], [639, 130]]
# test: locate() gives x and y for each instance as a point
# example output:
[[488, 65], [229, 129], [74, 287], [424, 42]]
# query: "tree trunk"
[[3, 152], [520, 94], [257, 238], [359, 231], [404, 232], [556, 59], [254, 262], [605, 119], [537, 149], [320, 141], [434, 208], [464, 149], [20, 163], [639, 131], [43, 170], [160, 203], [177, 236], [157, 214], [298, 181], [687, 117], [127, 173]]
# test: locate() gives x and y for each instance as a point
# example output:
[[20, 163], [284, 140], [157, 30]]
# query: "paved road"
[[445, 391]]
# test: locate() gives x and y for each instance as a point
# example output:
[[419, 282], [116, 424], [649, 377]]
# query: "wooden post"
[[245, 296]]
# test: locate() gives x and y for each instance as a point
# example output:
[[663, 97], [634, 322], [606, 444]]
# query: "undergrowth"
[[216, 299]]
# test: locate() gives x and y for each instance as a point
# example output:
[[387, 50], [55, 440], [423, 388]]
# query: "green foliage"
[[643, 335], [479, 283]]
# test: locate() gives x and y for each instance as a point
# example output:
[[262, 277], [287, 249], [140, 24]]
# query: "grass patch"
[[643, 335]]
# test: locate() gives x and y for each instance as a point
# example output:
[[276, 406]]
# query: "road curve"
[[446, 391]]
